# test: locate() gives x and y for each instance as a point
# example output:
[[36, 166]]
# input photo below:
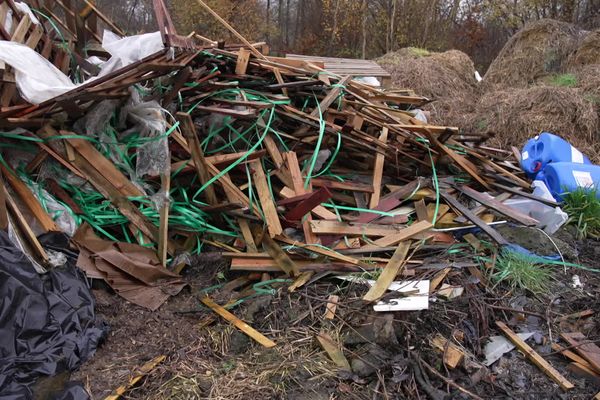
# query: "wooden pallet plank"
[[238, 323], [391, 270], [378, 172], [589, 351], [498, 206], [200, 163], [266, 199], [404, 234], [535, 357], [29, 200]]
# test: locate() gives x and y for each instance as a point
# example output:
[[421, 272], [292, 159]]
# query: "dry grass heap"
[[588, 79], [546, 78], [540, 49], [587, 53], [516, 115], [447, 78]]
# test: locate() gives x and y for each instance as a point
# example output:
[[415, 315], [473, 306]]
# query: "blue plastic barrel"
[[563, 177], [545, 149]]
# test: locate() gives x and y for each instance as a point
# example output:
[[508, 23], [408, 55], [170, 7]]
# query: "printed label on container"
[[576, 156], [583, 179], [525, 155]]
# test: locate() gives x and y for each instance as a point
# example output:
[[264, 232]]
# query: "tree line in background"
[[363, 28]]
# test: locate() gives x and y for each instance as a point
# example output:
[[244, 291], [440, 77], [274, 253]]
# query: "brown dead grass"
[[515, 115], [447, 78], [587, 53], [588, 79], [540, 49]]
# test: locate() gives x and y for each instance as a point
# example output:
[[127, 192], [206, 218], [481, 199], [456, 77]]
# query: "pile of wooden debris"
[[287, 168]]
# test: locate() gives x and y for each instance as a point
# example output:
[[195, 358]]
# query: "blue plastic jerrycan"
[[563, 177], [548, 148]]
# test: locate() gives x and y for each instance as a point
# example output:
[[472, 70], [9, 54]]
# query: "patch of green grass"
[[419, 52], [583, 208], [520, 271], [563, 80]]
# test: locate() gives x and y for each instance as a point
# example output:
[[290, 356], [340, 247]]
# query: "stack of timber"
[[286, 168]]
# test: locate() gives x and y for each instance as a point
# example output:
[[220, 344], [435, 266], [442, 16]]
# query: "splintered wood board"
[[389, 273], [266, 199], [353, 229], [588, 351], [334, 351], [378, 172], [238, 323], [534, 357], [404, 234]]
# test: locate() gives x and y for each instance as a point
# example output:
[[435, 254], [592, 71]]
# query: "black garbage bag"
[[47, 324]]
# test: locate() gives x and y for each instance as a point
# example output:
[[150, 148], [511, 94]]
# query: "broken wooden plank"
[[136, 377], [189, 131], [466, 165], [390, 201], [163, 230], [305, 206], [319, 211], [238, 323], [103, 166], [437, 279], [378, 172], [534, 357], [334, 351], [586, 349], [404, 234], [321, 227], [266, 199], [242, 61], [247, 235], [481, 208], [331, 307], [281, 258], [29, 200], [453, 355], [300, 281], [331, 96], [585, 372], [392, 269], [421, 209], [498, 206], [491, 232], [571, 355], [30, 240], [321, 250]]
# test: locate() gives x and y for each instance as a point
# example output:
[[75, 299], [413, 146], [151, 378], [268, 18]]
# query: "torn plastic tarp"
[[125, 51], [47, 323], [37, 79], [153, 156]]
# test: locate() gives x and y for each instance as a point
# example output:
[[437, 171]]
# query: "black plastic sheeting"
[[47, 323]]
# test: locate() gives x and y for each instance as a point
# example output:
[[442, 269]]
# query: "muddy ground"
[[390, 353]]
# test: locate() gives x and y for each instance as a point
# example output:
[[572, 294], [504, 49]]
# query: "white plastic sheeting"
[[550, 218], [128, 50], [24, 8], [37, 79]]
